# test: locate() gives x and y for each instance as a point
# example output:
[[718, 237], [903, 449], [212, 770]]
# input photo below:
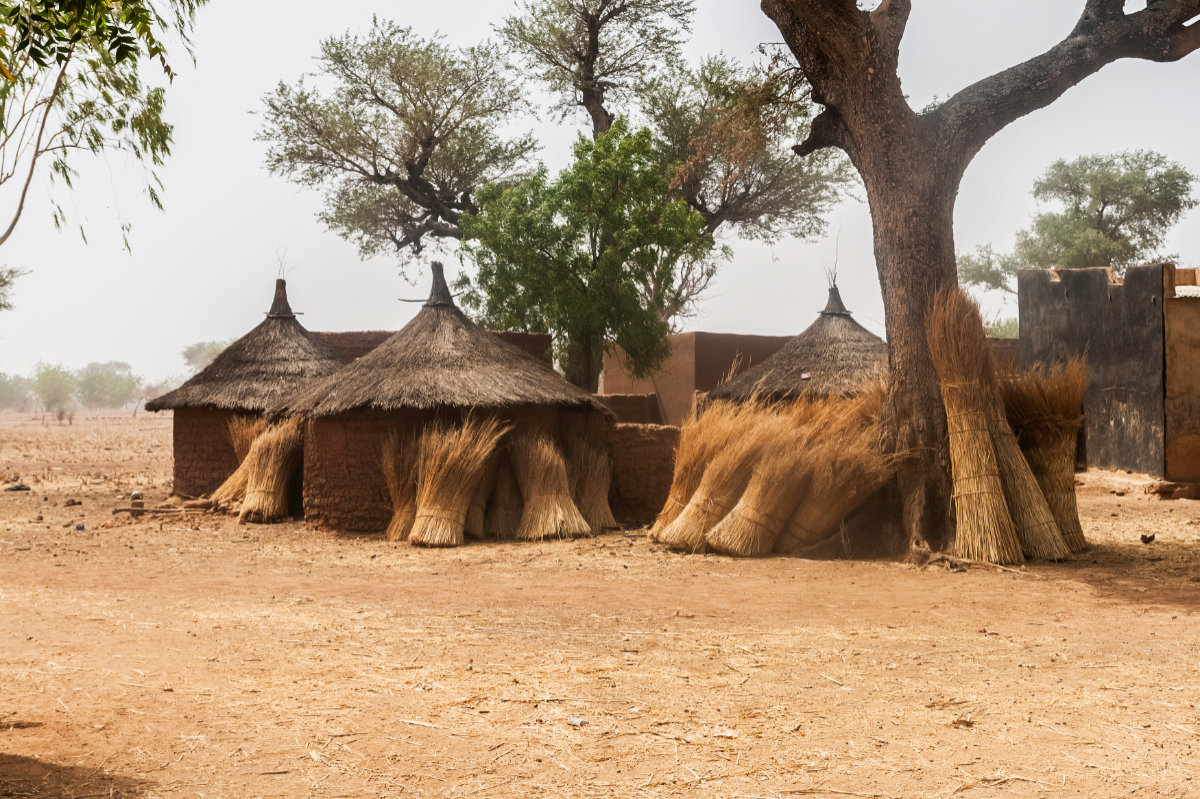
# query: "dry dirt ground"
[[192, 657]]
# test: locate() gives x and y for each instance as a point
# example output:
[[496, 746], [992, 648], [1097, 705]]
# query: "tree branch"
[[889, 19], [827, 130]]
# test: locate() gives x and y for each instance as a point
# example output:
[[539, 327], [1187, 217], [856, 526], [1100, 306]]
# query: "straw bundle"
[[841, 469], [474, 525], [985, 529], [699, 441], [451, 463], [726, 476], [591, 478], [242, 432], [548, 511], [271, 462], [398, 460], [1044, 409], [503, 515]]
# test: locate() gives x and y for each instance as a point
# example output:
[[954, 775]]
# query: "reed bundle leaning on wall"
[[547, 508], [726, 476], [451, 462], [273, 460], [985, 529], [503, 515], [700, 439], [242, 432], [398, 462], [1045, 408]]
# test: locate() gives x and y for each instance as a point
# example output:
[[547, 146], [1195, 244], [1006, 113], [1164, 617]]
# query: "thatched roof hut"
[[440, 359], [253, 373], [440, 367], [832, 357]]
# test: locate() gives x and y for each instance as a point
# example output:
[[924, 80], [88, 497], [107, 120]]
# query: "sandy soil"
[[192, 657]]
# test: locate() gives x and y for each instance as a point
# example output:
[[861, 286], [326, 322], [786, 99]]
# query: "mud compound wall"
[[343, 481], [1183, 383], [643, 462], [632, 408], [1120, 327], [203, 451]]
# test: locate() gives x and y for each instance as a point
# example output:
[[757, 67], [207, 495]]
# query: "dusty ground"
[[196, 658]]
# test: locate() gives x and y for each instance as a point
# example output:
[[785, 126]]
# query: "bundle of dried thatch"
[[590, 473], [1044, 408], [547, 508], [452, 460], [398, 460], [242, 432], [726, 476], [271, 463], [474, 525], [842, 468], [985, 529], [700, 440], [503, 515]]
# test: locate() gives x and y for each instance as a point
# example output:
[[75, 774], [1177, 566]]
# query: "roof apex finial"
[[834, 307], [439, 293], [280, 308]]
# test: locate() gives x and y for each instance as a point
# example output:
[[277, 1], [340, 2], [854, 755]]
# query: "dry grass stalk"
[[842, 467], [398, 460], [503, 515], [548, 511], [699, 441], [726, 476], [451, 460], [1044, 408], [242, 432], [272, 462], [985, 529], [1037, 529], [591, 477]]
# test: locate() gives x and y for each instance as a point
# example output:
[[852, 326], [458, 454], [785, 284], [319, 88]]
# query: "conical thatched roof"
[[439, 359], [259, 369], [833, 356]]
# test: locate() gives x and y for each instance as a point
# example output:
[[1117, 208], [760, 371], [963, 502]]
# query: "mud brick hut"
[[1141, 335], [440, 366], [254, 373], [833, 357]]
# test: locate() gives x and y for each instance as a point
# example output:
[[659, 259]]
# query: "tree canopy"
[[400, 134], [1115, 210], [591, 256]]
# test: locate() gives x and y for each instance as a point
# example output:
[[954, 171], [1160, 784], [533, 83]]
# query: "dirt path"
[[193, 657]]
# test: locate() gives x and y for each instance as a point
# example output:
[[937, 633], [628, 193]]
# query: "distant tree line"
[[56, 390]]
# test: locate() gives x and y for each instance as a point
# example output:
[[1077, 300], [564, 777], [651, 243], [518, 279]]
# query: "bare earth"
[[192, 657]]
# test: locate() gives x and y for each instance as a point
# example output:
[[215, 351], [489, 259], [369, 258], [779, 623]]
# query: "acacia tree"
[[1115, 211], [403, 137], [912, 163]]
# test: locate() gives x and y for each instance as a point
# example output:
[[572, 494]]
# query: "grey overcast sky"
[[203, 270]]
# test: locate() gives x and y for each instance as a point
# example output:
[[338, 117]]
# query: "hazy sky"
[[203, 270]]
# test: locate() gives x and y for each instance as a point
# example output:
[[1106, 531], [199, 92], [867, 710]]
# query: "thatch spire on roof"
[[834, 356], [258, 370], [440, 359]]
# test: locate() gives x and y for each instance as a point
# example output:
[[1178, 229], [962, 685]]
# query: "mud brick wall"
[[632, 408], [1120, 327], [1183, 384], [643, 462], [203, 451], [343, 482]]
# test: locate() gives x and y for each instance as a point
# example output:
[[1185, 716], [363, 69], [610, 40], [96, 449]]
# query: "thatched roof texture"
[[440, 359], [258, 370], [833, 357]]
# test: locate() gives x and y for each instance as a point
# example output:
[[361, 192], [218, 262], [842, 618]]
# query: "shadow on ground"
[[30, 778]]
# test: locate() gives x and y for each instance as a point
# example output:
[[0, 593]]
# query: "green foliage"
[[591, 52], [1007, 327], [725, 131], [16, 392], [54, 386], [591, 256], [1116, 211], [48, 31], [202, 353], [107, 385], [408, 131], [8, 276]]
